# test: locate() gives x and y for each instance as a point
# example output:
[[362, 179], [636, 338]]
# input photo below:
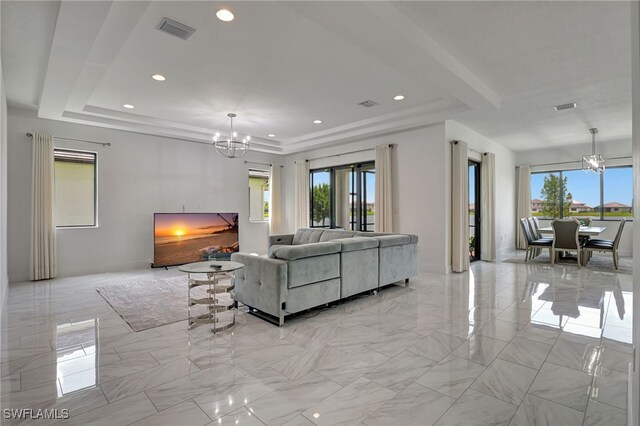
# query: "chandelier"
[[593, 163], [230, 147]]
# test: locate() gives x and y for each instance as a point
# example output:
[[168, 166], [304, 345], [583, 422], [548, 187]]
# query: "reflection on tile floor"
[[504, 343]]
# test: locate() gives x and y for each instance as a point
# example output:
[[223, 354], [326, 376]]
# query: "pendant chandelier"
[[593, 163], [229, 146]]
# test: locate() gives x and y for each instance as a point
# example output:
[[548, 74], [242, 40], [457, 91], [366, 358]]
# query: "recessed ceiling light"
[[565, 106], [398, 97], [224, 15], [128, 106], [272, 135], [317, 121], [158, 77]]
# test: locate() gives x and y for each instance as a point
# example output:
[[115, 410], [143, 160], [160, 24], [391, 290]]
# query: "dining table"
[[585, 231]]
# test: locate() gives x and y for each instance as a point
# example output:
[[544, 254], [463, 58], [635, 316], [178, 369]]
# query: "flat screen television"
[[181, 238]]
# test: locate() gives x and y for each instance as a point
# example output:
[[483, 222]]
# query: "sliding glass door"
[[474, 210], [320, 198], [343, 197]]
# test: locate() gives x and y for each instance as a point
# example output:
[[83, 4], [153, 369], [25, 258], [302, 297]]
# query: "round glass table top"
[[210, 267]]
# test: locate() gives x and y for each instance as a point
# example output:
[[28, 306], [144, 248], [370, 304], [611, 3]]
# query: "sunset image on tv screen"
[[194, 237]]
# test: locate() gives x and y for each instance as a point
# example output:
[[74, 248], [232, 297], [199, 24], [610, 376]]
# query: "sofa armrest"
[[282, 239], [306, 250], [262, 283]]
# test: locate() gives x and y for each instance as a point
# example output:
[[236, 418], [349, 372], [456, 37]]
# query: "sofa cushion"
[[393, 240], [307, 235], [306, 250], [333, 234], [308, 271], [356, 243]]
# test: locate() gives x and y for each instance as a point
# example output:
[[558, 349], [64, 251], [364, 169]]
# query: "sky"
[[189, 223], [585, 187]]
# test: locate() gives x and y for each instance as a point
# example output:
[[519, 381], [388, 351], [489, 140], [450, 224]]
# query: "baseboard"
[[18, 278], [432, 268], [625, 253], [93, 269]]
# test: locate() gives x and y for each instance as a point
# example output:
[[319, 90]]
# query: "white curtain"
[[275, 202], [301, 213], [524, 202], [43, 263], [459, 207], [384, 189], [487, 207]]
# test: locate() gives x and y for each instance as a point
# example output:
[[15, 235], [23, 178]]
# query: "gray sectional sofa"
[[317, 266]]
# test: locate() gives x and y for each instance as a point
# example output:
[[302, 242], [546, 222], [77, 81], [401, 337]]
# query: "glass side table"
[[221, 312]]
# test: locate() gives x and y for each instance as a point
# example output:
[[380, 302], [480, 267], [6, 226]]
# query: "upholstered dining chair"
[[534, 225], [585, 221], [596, 244], [566, 238], [533, 243]]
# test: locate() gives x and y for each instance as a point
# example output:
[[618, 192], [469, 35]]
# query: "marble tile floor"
[[503, 343]]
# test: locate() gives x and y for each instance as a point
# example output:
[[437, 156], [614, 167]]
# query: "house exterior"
[[536, 205], [579, 207], [615, 207]]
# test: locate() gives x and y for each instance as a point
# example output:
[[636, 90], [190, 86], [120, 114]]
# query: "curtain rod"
[[257, 162], [346, 153], [29, 134], [576, 162], [455, 142]]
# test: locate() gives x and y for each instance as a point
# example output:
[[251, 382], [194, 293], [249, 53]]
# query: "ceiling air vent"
[[175, 28], [368, 104]]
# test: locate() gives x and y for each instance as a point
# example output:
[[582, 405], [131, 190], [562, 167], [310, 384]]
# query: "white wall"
[[615, 153], [4, 275], [137, 176], [633, 405], [421, 168], [505, 210]]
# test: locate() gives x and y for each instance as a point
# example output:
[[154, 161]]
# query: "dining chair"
[[585, 221], [566, 238], [610, 246], [536, 221], [535, 231], [532, 243]]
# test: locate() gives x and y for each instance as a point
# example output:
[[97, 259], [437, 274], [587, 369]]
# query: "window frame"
[[95, 186], [601, 217], [354, 196], [264, 219]]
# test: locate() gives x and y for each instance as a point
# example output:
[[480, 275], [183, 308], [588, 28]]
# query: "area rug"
[[149, 304], [602, 263]]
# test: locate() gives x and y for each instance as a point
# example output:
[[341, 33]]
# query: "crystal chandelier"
[[593, 163], [230, 147]]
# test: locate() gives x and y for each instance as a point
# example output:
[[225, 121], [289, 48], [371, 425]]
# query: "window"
[[320, 198], [75, 185], [617, 193], [258, 195], [343, 197], [570, 193]]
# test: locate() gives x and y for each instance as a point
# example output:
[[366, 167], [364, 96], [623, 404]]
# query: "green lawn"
[[593, 214]]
